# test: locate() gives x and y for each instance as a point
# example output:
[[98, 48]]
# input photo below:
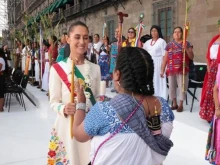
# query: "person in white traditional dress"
[[45, 78], [63, 149], [37, 63], [134, 127], [26, 53], [156, 47], [95, 49]]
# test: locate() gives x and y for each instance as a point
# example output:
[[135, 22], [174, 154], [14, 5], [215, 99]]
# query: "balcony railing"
[[18, 10], [72, 10], [82, 6]]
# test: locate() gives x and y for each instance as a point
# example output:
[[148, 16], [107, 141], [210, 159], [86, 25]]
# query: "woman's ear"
[[116, 75]]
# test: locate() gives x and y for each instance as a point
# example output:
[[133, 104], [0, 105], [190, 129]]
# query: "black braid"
[[136, 68]]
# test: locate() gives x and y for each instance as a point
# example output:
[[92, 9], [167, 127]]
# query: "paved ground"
[[24, 135]]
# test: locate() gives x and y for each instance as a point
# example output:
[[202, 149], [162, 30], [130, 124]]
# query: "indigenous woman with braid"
[[156, 48], [135, 126], [207, 107], [173, 60]]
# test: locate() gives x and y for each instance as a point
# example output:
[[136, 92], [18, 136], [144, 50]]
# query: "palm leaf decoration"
[[25, 20], [190, 3], [47, 24], [35, 30], [57, 29]]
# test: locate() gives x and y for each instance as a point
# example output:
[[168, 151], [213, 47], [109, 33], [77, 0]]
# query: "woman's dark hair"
[[2, 54], [65, 33], [178, 27], [107, 38], [77, 23], [90, 38], [54, 38], [158, 30], [133, 30], [145, 38], [137, 69], [23, 45], [181, 30], [46, 43], [97, 35]]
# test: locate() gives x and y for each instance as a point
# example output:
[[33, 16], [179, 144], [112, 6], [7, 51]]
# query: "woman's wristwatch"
[[81, 106]]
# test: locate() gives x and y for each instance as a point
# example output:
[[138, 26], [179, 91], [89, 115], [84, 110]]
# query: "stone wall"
[[203, 19]]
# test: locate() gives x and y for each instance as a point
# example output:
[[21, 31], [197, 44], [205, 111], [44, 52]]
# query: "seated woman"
[[134, 127]]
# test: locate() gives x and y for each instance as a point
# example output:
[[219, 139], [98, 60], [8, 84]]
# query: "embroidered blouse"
[[103, 119], [175, 58]]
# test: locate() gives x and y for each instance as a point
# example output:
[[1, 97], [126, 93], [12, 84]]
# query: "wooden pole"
[[184, 50]]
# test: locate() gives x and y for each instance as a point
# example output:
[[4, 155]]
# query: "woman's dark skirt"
[[2, 86]]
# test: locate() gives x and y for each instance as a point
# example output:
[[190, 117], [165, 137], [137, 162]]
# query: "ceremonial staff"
[[139, 27], [185, 33], [72, 97], [121, 20]]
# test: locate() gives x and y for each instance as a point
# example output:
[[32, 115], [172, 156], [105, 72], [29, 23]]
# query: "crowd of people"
[[139, 115]]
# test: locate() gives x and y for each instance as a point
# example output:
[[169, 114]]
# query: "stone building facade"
[[168, 14]]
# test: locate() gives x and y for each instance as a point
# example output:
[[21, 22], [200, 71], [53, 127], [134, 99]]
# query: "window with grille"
[[111, 29], [165, 15], [165, 22]]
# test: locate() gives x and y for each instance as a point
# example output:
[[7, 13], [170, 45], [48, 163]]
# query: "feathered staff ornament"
[[104, 30], [139, 28]]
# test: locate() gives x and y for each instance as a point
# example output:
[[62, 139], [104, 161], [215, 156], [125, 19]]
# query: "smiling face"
[[78, 40], [131, 34]]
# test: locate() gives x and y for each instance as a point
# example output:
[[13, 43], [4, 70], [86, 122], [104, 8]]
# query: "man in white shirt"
[[96, 47]]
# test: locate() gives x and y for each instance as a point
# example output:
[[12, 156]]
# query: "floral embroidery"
[[50, 162], [57, 154]]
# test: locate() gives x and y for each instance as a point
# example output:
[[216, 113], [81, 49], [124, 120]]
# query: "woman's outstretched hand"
[[81, 98]]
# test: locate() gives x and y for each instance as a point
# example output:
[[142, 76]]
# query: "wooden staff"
[[185, 32], [139, 27], [72, 98], [121, 20], [27, 62]]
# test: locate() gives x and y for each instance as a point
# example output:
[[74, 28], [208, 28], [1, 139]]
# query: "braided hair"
[[136, 68]]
